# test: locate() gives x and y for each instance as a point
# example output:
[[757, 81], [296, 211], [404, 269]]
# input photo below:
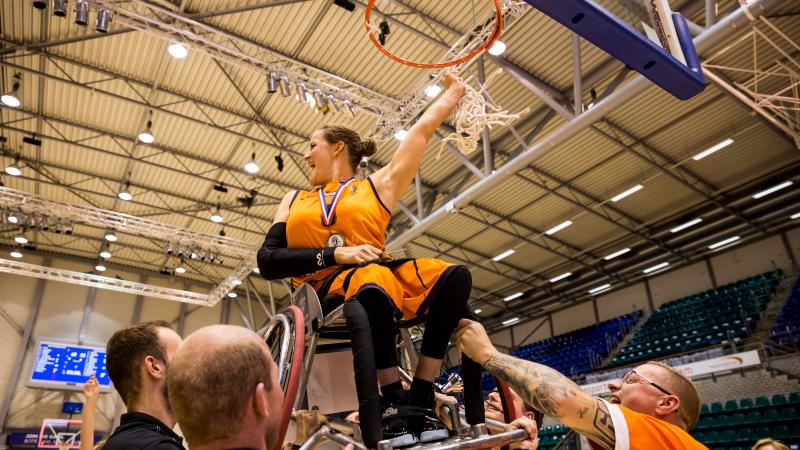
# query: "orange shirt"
[[360, 218], [637, 431]]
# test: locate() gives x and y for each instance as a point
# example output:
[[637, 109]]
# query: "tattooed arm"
[[546, 389]]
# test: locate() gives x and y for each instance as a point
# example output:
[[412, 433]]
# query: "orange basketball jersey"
[[637, 431], [359, 218]]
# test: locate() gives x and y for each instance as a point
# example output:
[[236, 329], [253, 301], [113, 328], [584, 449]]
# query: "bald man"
[[223, 387], [652, 406]]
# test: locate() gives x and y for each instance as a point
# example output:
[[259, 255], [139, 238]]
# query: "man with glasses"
[[651, 407]]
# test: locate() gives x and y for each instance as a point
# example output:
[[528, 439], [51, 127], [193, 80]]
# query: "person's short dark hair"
[[126, 350], [209, 388]]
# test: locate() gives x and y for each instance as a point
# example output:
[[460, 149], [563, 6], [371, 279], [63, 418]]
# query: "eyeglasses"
[[633, 377]]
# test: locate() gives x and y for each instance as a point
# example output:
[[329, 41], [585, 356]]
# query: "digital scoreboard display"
[[68, 366]]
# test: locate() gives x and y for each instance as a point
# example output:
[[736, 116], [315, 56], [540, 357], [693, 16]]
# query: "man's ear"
[[260, 400], [531, 416], [155, 368], [668, 404]]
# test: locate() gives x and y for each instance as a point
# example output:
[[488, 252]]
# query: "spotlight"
[[110, 236], [272, 82], [236, 282], [221, 188], [32, 140], [178, 50], [58, 227], [60, 8], [45, 222], [497, 49], [232, 294], [125, 193], [32, 220], [193, 255], [16, 254], [252, 166], [332, 101], [68, 228], [433, 90], [350, 107], [279, 161], [301, 92], [180, 268], [11, 98], [39, 4], [348, 5], [13, 168], [222, 232], [105, 254], [286, 89], [13, 217], [21, 240], [215, 216], [320, 98], [400, 134], [384, 27], [100, 267], [146, 136], [103, 21], [82, 12]]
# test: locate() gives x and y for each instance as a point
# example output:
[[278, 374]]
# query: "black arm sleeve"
[[275, 261]]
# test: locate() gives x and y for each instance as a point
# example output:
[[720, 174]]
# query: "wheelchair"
[[293, 336]]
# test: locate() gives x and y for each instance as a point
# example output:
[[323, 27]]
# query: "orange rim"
[[498, 29]]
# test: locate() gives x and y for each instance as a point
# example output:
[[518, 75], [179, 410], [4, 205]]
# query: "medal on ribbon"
[[329, 212]]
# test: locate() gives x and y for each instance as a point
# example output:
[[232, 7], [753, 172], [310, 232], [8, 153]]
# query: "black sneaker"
[[396, 426], [428, 427]]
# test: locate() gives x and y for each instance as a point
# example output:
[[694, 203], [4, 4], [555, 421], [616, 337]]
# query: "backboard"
[[60, 433], [644, 34]]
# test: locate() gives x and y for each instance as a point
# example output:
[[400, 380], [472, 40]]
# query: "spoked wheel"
[[285, 336]]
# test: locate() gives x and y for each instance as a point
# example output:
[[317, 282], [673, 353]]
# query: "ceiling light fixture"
[[21, 240], [105, 254], [215, 216], [626, 193], [82, 12], [110, 236], [252, 166], [498, 48], [505, 254], [686, 225], [16, 254], [513, 296], [146, 136], [511, 321], [433, 90], [558, 228], [103, 21], [599, 289], [60, 8], [177, 50], [795, 216], [617, 253], [773, 189], [13, 168], [723, 242], [478, 311], [11, 98], [560, 277], [232, 294], [100, 267], [712, 149], [656, 267], [125, 193], [272, 82], [400, 134]]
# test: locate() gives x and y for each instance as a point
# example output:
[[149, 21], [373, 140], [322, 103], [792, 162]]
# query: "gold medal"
[[336, 240]]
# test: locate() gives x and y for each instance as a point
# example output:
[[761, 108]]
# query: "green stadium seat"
[[762, 402], [745, 435], [795, 434], [771, 415], [736, 419], [746, 403], [699, 435], [781, 432], [729, 436], [794, 398], [752, 418], [731, 405], [788, 414], [716, 407], [712, 437], [778, 400], [705, 409], [705, 422]]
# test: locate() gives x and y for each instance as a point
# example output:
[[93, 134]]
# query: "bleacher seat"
[[728, 427], [726, 314], [786, 330]]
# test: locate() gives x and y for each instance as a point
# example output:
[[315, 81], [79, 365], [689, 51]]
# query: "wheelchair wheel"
[[285, 336]]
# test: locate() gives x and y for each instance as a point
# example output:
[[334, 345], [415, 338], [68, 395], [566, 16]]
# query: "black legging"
[[439, 325]]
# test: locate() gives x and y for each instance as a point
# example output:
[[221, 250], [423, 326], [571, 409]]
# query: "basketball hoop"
[[371, 28]]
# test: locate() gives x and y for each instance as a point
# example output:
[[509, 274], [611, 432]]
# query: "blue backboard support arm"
[[620, 40]]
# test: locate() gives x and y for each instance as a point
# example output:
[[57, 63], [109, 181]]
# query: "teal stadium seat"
[[746, 403], [762, 402], [778, 400]]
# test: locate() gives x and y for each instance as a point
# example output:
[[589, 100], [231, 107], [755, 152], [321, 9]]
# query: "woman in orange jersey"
[[333, 238]]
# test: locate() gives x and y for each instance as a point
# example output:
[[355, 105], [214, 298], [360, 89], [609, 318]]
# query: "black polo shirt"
[[142, 431]]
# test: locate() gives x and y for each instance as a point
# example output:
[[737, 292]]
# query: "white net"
[[473, 113]]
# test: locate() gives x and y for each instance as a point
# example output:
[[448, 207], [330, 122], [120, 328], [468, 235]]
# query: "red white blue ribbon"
[[329, 211]]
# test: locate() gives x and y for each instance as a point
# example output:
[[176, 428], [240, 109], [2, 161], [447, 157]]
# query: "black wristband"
[[328, 257]]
